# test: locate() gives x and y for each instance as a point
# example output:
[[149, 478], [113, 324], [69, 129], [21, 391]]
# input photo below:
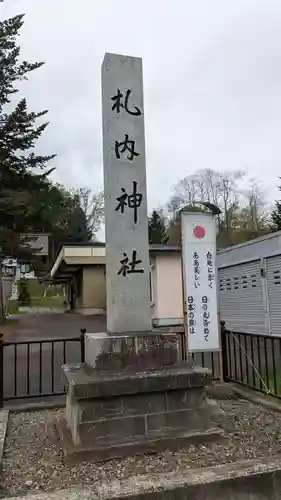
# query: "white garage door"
[[241, 298], [273, 275]]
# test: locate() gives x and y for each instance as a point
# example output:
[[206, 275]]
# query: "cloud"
[[212, 82]]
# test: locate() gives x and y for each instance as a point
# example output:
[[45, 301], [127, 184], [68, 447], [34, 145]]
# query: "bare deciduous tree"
[[228, 197], [256, 206], [93, 206], [243, 210], [207, 185]]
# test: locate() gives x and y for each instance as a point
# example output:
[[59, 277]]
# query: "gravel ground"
[[33, 461]]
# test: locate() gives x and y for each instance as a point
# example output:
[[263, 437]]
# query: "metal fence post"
[[1, 371], [82, 338], [224, 351]]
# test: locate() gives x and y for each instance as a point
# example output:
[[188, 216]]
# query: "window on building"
[[25, 268], [151, 289]]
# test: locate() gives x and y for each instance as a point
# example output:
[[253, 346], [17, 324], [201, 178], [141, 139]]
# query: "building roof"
[[69, 258], [154, 247], [164, 248], [253, 241], [82, 244], [265, 246], [93, 244]]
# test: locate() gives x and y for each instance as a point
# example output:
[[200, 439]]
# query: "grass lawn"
[[271, 381], [47, 301], [37, 289], [52, 302], [54, 297]]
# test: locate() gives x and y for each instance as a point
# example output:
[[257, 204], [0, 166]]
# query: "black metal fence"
[[32, 369], [253, 361], [210, 360]]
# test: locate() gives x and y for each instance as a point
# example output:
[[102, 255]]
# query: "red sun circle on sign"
[[199, 232]]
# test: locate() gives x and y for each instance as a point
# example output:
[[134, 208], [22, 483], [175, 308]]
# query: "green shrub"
[[24, 296]]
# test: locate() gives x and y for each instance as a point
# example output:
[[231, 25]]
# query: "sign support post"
[[184, 305]]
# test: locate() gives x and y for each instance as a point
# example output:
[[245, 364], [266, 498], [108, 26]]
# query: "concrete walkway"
[[4, 418], [42, 326]]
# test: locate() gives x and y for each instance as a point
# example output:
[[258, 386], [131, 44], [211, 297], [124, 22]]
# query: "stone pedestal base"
[[143, 350], [111, 413]]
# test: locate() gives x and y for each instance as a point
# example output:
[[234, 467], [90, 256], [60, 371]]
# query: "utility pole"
[[2, 307]]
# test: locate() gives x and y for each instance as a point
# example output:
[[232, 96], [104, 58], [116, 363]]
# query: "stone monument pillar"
[[126, 229], [133, 394]]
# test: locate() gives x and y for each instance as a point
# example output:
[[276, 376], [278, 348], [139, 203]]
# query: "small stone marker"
[[126, 223]]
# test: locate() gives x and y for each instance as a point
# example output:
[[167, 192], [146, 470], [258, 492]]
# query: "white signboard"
[[200, 280], [15, 291], [38, 243]]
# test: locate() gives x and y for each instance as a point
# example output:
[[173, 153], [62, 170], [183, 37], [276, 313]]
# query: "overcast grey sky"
[[212, 82]]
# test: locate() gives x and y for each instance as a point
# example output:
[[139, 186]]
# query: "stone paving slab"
[[241, 480], [4, 418]]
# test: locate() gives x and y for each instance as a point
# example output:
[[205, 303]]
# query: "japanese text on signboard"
[[191, 310], [127, 200], [206, 317], [196, 269], [210, 266], [128, 145]]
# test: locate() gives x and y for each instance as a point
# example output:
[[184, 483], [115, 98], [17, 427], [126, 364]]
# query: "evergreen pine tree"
[[24, 296], [157, 230], [23, 173], [276, 217]]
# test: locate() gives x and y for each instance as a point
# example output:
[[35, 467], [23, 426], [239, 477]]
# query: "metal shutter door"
[[273, 275], [241, 298]]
